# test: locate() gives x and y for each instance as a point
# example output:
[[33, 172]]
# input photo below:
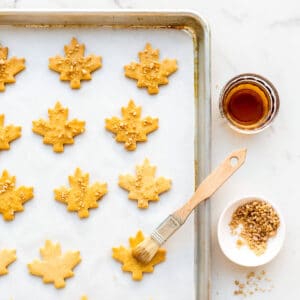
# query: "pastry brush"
[[146, 250]]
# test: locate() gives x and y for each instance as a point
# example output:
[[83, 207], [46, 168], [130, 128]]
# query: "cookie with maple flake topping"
[[8, 134], [150, 72], [81, 196], [58, 131], [9, 68], [74, 66], [12, 198], [131, 128], [132, 265], [144, 187]]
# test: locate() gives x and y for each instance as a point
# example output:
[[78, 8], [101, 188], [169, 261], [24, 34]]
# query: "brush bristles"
[[146, 250]]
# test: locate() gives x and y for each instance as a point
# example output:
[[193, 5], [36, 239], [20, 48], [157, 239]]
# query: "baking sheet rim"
[[202, 117]]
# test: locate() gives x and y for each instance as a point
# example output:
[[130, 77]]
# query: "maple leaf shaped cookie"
[[144, 187], [8, 134], [130, 264], [55, 267], [7, 257], [9, 68], [75, 67], [80, 197], [12, 198], [151, 73], [131, 129], [58, 131]]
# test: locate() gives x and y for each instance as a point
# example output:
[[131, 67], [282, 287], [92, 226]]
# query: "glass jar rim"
[[263, 83]]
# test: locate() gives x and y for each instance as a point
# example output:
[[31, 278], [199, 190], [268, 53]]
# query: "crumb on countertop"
[[254, 282]]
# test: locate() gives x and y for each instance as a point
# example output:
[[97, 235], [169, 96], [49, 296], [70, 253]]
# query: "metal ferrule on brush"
[[167, 228]]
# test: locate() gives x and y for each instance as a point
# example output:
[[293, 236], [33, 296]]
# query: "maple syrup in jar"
[[249, 102]]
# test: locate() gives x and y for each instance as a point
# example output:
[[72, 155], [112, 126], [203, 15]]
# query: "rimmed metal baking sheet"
[[117, 36]]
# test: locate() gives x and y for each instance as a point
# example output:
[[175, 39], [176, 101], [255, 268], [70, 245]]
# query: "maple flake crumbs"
[[130, 264], [253, 283], [131, 129], [55, 267], [150, 72], [12, 198], [259, 222], [9, 68], [144, 187], [81, 197], [58, 131], [75, 67]]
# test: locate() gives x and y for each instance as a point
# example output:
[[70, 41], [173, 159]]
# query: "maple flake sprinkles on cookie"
[[75, 67], [144, 187], [81, 197], [131, 129], [12, 198], [150, 72], [9, 68], [55, 267], [58, 131], [130, 264]]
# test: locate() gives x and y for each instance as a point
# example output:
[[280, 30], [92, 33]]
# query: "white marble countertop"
[[247, 36]]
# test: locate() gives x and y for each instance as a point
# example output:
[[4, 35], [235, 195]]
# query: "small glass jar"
[[249, 102]]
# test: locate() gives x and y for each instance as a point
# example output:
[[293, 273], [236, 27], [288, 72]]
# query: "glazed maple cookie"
[[131, 129], [55, 267], [81, 197], [75, 67], [12, 198], [130, 264], [144, 187], [8, 134], [150, 72], [7, 257], [58, 131], [9, 68]]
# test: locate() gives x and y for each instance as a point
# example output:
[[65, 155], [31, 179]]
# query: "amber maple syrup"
[[249, 102]]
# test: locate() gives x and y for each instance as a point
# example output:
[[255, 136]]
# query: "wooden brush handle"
[[211, 183]]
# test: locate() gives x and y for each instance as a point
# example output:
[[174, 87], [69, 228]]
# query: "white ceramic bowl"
[[243, 255]]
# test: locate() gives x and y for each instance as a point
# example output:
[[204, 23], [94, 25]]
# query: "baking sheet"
[[170, 148]]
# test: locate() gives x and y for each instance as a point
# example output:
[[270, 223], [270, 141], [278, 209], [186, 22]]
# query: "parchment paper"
[[170, 148]]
